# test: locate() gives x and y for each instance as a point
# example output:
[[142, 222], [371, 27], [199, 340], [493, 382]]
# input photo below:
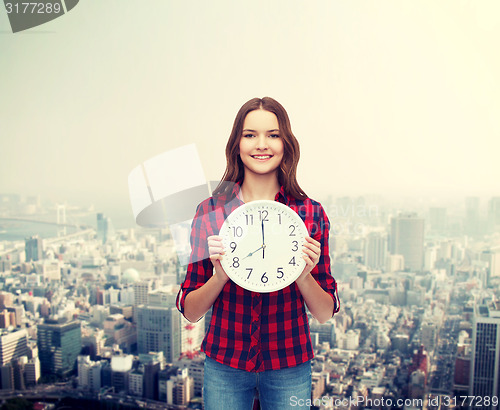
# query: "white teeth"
[[261, 156]]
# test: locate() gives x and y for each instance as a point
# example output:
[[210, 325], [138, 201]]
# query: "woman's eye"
[[274, 136], [248, 135]]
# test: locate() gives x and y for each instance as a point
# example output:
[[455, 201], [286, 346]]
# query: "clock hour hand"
[[251, 253]]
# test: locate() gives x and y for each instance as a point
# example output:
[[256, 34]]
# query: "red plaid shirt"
[[256, 331]]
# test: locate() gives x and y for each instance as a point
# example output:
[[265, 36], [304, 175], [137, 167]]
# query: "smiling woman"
[[258, 339], [261, 148]]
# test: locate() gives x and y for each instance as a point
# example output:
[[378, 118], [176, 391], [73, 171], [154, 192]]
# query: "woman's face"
[[261, 146]]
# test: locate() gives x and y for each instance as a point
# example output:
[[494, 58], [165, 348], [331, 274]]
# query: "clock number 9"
[[236, 262], [280, 270], [264, 277], [237, 231], [232, 245]]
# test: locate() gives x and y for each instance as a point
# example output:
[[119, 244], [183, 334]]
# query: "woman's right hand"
[[216, 251]]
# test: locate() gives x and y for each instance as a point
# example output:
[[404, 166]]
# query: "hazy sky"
[[384, 96]]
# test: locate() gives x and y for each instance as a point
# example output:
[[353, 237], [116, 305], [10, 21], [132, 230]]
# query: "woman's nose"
[[261, 142]]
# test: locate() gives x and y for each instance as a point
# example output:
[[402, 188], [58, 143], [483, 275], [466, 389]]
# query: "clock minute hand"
[[263, 240]]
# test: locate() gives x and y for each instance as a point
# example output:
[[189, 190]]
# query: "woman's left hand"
[[312, 253]]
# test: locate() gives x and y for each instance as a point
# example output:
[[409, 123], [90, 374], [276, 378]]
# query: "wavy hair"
[[287, 172]]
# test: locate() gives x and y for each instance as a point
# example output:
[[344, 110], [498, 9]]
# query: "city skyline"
[[385, 98]]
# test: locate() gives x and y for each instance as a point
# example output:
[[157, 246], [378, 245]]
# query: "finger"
[[215, 258], [314, 257], [315, 250], [311, 246], [215, 237], [313, 241], [216, 252], [308, 260]]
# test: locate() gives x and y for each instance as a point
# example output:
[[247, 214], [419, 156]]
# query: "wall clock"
[[263, 244]]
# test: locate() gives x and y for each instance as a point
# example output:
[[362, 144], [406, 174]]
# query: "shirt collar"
[[281, 196]]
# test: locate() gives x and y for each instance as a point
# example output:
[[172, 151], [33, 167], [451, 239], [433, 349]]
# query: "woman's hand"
[[312, 253], [216, 252]]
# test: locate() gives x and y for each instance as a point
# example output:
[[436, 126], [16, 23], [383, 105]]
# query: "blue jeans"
[[234, 389]]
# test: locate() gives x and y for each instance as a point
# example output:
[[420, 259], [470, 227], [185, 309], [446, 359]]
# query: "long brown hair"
[[287, 172]]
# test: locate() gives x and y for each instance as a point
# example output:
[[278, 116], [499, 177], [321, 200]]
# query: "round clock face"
[[263, 244]]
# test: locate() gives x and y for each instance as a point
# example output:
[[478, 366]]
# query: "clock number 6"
[[264, 277]]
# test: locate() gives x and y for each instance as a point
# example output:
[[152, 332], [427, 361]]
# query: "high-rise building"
[[89, 373], [485, 364], [180, 388], [105, 228], [494, 213], [158, 330], [375, 250], [33, 248], [407, 239], [472, 216], [13, 345], [437, 219], [59, 345]]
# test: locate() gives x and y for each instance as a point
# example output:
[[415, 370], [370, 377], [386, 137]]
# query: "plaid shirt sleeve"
[[200, 267], [319, 229]]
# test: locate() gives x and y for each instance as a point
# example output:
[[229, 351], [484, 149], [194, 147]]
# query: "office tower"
[[493, 213], [158, 330], [180, 388], [89, 373], [32, 371], [136, 381], [59, 345], [485, 365], [437, 219], [493, 260], [13, 345], [121, 366], [105, 230], [407, 239], [33, 248], [472, 219], [6, 377], [375, 250], [6, 299], [141, 290]]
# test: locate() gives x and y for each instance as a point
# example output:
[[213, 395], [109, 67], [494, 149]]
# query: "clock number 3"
[[295, 246]]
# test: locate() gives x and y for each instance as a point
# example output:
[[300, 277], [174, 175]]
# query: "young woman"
[[258, 342]]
